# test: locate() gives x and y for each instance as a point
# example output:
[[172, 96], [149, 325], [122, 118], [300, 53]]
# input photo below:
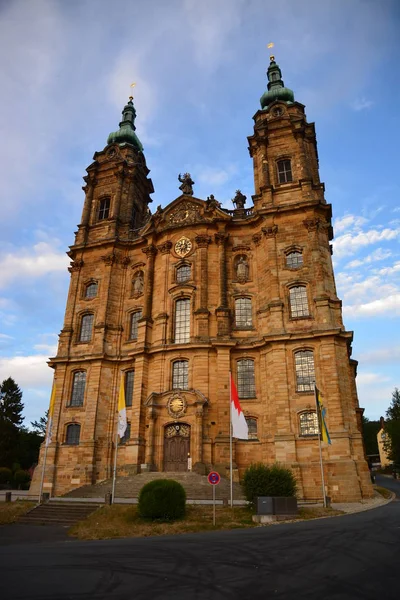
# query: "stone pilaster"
[[223, 312], [202, 313]]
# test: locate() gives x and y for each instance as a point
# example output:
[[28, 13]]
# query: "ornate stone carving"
[[221, 238], [186, 212], [176, 405], [76, 265], [125, 261], [212, 203], [177, 429], [239, 200], [241, 248], [187, 184], [312, 224], [256, 238], [270, 231], [202, 240], [149, 250], [109, 259], [165, 248]]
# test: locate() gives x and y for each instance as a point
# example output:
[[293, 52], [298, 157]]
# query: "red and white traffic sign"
[[214, 478]]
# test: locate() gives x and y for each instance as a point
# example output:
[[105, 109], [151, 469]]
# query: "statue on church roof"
[[239, 200], [187, 184]]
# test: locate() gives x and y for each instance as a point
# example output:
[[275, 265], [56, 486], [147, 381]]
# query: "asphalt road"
[[351, 557]]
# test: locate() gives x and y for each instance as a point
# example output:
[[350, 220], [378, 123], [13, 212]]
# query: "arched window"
[[180, 375], [246, 378], [182, 321], [104, 209], [127, 434], [78, 388], [308, 423], [85, 334], [298, 302], [243, 313], [284, 171], [133, 331], [305, 374], [73, 434], [129, 384], [294, 260], [91, 290], [183, 273], [252, 427]]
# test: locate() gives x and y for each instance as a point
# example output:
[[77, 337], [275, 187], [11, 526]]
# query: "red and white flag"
[[239, 425]]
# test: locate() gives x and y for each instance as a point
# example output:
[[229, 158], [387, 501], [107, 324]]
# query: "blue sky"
[[200, 71]]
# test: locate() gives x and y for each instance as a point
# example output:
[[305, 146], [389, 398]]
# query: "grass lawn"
[[11, 511], [123, 521]]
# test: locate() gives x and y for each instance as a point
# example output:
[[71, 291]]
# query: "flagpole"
[[115, 466], [319, 444], [43, 470], [230, 438]]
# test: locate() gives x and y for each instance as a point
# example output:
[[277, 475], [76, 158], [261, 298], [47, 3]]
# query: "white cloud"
[[371, 378], [388, 305], [348, 222], [361, 104], [34, 262], [349, 243], [215, 176], [387, 355], [4, 336], [376, 255], [28, 371]]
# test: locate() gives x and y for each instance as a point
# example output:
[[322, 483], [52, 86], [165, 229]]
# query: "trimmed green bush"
[[268, 480], [22, 479], [163, 499], [5, 475]]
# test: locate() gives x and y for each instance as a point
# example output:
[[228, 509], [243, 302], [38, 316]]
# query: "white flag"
[[122, 422], [240, 429]]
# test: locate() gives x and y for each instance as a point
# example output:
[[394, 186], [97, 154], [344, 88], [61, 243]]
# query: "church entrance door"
[[176, 447]]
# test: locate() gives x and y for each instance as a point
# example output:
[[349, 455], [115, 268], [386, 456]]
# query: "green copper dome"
[[126, 133], [276, 87]]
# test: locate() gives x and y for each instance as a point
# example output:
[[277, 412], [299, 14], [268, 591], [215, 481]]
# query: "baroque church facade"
[[167, 304]]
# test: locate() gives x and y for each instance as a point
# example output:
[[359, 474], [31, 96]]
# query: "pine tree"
[[11, 418], [40, 426], [392, 428]]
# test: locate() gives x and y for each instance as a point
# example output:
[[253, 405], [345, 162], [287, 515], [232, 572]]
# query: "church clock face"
[[183, 246]]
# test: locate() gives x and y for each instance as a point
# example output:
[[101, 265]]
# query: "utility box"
[[276, 505]]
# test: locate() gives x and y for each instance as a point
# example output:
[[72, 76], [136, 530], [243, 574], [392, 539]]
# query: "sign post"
[[214, 479]]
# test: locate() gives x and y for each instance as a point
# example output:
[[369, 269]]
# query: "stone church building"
[[170, 302]]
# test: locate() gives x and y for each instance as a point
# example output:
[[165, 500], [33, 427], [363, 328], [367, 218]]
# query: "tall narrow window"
[[308, 423], [129, 383], [183, 273], [104, 209], [252, 428], [243, 313], [182, 321], [180, 375], [294, 260], [91, 290], [85, 334], [298, 302], [133, 334], [78, 388], [246, 378], [73, 434], [284, 171], [305, 374]]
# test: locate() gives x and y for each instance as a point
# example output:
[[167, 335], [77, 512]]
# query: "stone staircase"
[[58, 513], [196, 486]]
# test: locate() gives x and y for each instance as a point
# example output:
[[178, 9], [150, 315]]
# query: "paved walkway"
[[355, 507]]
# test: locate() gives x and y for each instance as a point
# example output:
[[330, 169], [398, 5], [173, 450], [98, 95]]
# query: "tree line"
[[19, 446]]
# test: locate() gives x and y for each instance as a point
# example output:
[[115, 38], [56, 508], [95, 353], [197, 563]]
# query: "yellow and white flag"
[[122, 422], [50, 417]]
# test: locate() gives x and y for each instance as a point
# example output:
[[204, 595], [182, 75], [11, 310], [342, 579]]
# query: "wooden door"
[[176, 447]]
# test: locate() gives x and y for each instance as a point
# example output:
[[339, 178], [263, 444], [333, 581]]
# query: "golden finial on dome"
[[132, 86], [271, 45]]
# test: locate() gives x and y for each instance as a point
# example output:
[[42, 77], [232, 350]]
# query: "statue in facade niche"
[[138, 284], [187, 184], [242, 270]]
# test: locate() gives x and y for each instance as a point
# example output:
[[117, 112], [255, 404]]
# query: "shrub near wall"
[[5, 475], [163, 499], [264, 480]]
